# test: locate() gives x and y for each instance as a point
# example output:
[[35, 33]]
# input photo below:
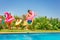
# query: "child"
[[9, 19], [29, 18], [2, 22], [24, 20], [18, 21]]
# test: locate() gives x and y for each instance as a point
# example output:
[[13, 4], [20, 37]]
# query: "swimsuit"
[[29, 21], [3, 21]]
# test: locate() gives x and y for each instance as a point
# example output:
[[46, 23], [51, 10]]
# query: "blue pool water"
[[31, 36]]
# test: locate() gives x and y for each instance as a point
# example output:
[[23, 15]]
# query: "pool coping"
[[30, 31], [25, 32]]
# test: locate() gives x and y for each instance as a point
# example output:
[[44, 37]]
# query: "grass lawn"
[[27, 31]]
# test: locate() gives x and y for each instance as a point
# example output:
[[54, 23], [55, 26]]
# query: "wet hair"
[[29, 10]]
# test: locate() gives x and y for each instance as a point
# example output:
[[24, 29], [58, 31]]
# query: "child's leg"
[[17, 26], [29, 23], [27, 27], [3, 27], [9, 25]]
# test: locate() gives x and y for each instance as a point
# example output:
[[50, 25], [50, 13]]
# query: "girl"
[[9, 19]]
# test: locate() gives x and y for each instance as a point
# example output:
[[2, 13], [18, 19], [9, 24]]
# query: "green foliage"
[[40, 23], [44, 23]]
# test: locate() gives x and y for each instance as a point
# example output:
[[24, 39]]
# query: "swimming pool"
[[30, 36]]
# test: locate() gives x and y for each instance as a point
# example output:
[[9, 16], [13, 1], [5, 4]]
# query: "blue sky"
[[49, 8]]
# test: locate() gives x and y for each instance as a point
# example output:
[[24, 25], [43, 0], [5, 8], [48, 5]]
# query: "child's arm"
[[27, 16]]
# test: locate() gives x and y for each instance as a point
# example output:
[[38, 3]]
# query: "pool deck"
[[28, 31]]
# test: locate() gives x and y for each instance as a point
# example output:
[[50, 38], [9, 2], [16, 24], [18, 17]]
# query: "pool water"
[[31, 36]]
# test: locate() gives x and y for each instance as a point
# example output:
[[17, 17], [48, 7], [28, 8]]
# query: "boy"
[[29, 18]]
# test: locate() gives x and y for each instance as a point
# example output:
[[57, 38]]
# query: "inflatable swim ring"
[[18, 22]]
